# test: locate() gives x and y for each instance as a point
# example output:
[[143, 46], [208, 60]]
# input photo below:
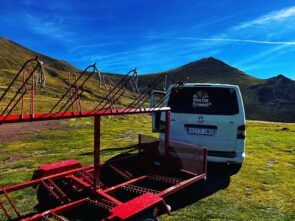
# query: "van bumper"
[[237, 158]]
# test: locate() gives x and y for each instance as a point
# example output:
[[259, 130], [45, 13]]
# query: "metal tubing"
[[58, 116], [23, 101], [18, 91], [12, 204], [165, 179], [96, 165], [58, 218], [34, 182], [115, 90], [5, 210], [57, 210], [108, 197], [68, 90], [75, 97], [32, 96], [77, 89], [120, 171], [146, 93], [100, 204], [138, 189], [181, 81], [181, 185], [113, 188], [19, 72]]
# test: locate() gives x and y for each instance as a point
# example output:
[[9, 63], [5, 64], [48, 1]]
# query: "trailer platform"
[[129, 186], [123, 188]]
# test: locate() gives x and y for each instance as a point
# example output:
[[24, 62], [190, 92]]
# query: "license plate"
[[200, 131]]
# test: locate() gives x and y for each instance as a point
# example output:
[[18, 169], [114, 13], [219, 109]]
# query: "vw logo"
[[200, 119]]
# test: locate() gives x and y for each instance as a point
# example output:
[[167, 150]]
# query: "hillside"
[[13, 56], [208, 70], [271, 99]]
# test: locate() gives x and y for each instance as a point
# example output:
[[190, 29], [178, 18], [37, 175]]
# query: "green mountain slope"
[[13, 56], [271, 99]]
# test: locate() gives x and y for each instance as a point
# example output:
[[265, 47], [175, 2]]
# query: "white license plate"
[[200, 131]]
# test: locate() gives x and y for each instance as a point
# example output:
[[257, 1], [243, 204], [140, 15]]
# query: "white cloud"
[[249, 41], [261, 55], [226, 40], [273, 33], [266, 29], [51, 28], [275, 16]]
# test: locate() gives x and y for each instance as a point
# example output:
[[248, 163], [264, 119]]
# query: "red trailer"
[[128, 187]]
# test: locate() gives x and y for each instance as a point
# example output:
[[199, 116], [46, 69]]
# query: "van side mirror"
[[156, 116]]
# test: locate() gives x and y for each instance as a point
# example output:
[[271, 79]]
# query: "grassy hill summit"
[[209, 70], [264, 99], [13, 55]]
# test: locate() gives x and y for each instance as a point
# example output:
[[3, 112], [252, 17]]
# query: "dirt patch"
[[16, 169], [39, 153], [19, 131], [128, 131]]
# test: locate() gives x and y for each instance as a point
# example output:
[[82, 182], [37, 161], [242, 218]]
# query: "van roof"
[[209, 85]]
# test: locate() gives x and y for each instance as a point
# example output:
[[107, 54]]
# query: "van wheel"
[[234, 168]]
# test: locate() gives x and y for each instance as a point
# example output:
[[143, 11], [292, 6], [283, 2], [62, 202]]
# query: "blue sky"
[[256, 36]]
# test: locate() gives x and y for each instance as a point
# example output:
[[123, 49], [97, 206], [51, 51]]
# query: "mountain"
[[265, 99], [277, 90], [272, 100], [207, 70], [14, 55]]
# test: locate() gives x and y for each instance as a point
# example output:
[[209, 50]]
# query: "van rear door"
[[205, 115]]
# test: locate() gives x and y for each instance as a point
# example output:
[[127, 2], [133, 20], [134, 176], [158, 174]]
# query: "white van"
[[210, 115]]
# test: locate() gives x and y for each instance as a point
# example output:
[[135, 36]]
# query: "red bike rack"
[[124, 188]]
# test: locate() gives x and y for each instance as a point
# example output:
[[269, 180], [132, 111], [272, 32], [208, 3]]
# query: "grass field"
[[264, 189]]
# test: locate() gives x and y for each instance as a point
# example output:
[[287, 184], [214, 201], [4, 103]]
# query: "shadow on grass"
[[218, 178], [109, 151]]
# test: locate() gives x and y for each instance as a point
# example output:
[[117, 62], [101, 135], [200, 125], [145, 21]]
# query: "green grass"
[[264, 189]]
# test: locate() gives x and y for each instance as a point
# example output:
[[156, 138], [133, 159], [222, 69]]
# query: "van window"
[[204, 100]]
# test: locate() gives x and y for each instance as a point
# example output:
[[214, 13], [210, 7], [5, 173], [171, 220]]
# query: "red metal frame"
[[96, 159], [148, 183]]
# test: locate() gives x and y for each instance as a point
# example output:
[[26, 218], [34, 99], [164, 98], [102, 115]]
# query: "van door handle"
[[172, 119]]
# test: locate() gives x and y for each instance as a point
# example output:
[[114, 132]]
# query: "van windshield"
[[204, 100]]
